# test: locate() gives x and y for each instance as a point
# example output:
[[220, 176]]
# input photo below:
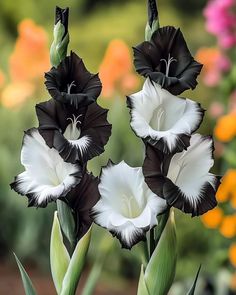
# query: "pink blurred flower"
[[216, 109], [221, 21]]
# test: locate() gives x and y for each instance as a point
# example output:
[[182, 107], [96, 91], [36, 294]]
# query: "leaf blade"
[[76, 265], [28, 285], [192, 290], [59, 257], [160, 271]]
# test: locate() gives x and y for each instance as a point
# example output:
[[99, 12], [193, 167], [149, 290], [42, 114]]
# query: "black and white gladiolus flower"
[[184, 179], [167, 60], [77, 134], [127, 208], [162, 119], [46, 177], [71, 83]]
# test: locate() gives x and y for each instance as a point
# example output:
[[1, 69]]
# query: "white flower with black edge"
[[46, 177], [127, 208], [184, 179], [162, 119]]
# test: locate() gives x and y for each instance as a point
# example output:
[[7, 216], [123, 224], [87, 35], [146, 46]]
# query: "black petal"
[[155, 170], [72, 74], [82, 199], [167, 42], [53, 120], [176, 198]]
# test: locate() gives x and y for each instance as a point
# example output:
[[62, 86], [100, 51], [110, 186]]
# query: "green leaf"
[[192, 290], [142, 287], [28, 286], [66, 222], [160, 271], [59, 257], [76, 265]]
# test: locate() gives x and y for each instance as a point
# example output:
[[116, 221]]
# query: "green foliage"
[[76, 265], [160, 271], [192, 290], [67, 222], [28, 286], [59, 257]]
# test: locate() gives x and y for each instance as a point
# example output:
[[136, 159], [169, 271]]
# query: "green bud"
[[153, 21], [60, 43]]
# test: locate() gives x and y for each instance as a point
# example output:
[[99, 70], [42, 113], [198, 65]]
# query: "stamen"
[[168, 63], [74, 122], [69, 86]]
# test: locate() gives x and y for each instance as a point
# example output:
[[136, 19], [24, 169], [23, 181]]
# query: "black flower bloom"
[[167, 60], [82, 199], [183, 179], [46, 177], [71, 83], [77, 134]]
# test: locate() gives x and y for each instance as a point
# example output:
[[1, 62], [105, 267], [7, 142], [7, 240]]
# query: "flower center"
[[129, 206], [168, 63], [69, 86], [157, 119], [72, 132]]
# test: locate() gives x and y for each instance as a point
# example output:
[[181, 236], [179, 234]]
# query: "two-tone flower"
[[167, 60], [77, 134], [183, 179], [162, 119], [71, 83], [46, 177], [127, 208]]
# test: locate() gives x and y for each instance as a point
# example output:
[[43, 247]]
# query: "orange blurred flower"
[[30, 58], [15, 93], [232, 254], [225, 129], [2, 78], [116, 69], [213, 218], [214, 64], [228, 186], [228, 226]]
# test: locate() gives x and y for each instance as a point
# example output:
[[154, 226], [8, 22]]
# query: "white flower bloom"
[[127, 207], [184, 179], [162, 119], [46, 177]]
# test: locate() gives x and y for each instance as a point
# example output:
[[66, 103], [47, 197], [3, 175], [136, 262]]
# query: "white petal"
[[158, 114], [46, 175], [127, 207], [189, 170], [81, 143]]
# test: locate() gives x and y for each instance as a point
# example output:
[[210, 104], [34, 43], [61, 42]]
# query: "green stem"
[[162, 220], [152, 242]]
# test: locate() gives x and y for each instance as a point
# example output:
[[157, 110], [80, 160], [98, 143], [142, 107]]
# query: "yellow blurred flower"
[[228, 226], [30, 58], [232, 254], [116, 69], [213, 218], [228, 186], [225, 129], [16, 93]]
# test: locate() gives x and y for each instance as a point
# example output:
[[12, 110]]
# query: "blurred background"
[[102, 32]]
